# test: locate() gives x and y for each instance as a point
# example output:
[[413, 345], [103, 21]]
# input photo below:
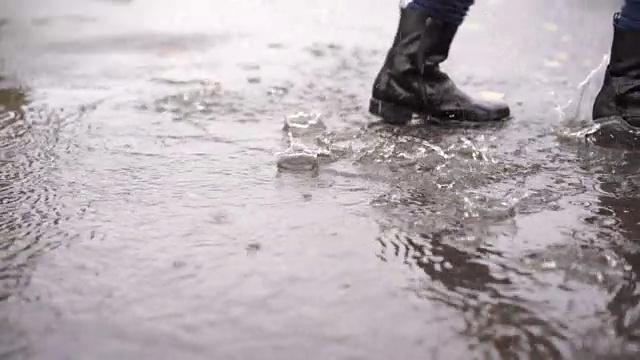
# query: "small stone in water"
[[492, 95]]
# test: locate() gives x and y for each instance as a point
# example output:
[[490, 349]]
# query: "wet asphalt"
[[153, 204]]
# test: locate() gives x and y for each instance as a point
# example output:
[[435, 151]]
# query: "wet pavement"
[[200, 180]]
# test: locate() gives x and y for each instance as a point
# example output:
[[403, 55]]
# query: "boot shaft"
[[427, 38], [620, 93], [625, 52]]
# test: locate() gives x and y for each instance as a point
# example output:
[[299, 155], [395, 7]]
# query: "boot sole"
[[615, 132], [390, 113], [400, 115]]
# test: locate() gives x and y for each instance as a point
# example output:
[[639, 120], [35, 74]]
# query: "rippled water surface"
[[200, 180]]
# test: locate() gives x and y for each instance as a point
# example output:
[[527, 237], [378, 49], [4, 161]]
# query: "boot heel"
[[390, 113]]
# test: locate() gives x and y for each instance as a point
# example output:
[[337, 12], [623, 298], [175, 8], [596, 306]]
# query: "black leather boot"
[[411, 82], [619, 97]]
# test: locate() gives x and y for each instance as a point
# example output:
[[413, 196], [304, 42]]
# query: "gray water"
[[201, 180]]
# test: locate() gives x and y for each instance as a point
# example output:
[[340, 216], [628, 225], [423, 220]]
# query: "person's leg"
[[411, 82], [630, 15], [451, 11], [619, 97]]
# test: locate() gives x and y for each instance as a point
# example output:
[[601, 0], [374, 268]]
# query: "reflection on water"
[[620, 198], [615, 217], [499, 295], [466, 271]]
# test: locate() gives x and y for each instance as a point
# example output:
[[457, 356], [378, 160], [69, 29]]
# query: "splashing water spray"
[[298, 156], [576, 116]]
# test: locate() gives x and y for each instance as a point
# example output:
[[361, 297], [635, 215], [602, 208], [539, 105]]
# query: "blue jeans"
[[454, 11], [630, 15]]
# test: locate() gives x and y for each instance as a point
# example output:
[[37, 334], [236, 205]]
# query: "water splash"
[[478, 150], [481, 207], [579, 125], [300, 156], [304, 123], [576, 115], [579, 109]]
